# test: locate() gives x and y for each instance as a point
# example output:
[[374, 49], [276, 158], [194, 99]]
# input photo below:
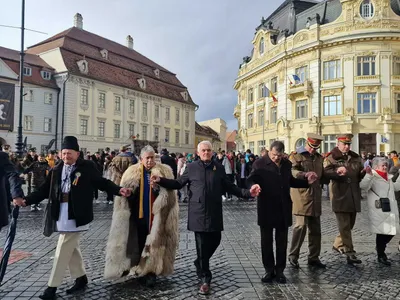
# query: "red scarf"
[[384, 175]]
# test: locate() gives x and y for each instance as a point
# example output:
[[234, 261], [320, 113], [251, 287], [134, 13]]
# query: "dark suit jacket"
[[10, 184]]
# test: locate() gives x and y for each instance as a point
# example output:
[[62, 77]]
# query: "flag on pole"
[[290, 82], [273, 97], [296, 79]]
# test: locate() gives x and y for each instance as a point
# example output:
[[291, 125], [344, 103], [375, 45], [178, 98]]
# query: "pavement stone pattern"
[[236, 265]]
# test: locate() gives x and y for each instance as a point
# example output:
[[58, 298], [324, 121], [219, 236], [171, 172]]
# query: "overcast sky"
[[203, 42]]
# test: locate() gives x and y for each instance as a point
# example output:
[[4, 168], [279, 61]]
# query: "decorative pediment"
[[104, 53], [142, 83], [83, 66]]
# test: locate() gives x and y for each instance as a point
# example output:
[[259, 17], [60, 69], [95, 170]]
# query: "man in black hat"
[[71, 185]]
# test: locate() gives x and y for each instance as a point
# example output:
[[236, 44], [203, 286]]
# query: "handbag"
[[50, 225], [382, 203]]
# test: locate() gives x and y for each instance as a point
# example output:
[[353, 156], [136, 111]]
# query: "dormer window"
[[83, 66], [27, 71], [185, 95], [142, 83], [157, 73], [366, 9], [46, 75], [104, 53], [261, 46]]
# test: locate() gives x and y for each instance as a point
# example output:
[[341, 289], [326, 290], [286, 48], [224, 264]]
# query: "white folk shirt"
[[63, 224]]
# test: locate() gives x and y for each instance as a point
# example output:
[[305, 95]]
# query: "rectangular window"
[[27, 71], [332, 105], [102, 126], [329, 142], [167, 135], [250, 96], [261, 145], [144, 109], [46, 75], [102, 100], [177, 118], [144, 132], [274, 85], [366, 103], [132, 130], [84, 97], [48, 98], [332, 69], [156, 133], [274, 115], [47, 125], [117, 130], [187, 118], [251, 147], [365, 65], [43, 149], [131, 106], [187, 138], [302, 73], [262, 91], [84, 126], [157, 111], [261, 118], [177, 137], [117, 103], [301, 109], [396, 66], [250, 121], [28, 122], [167, 115]]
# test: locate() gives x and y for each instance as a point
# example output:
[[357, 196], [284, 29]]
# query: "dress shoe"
[[384, 260], [352, 260], [294, 263], [49, 293], [280, 278], [268, 276], [204, 289], [125, 273], [316, 263], [338, 250], [150, 280], [198, 269], [80, 284]]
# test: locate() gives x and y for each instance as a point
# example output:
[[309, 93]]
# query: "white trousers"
[[68, 255]]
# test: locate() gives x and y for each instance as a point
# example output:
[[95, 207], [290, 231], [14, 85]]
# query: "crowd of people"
[[144, 233]]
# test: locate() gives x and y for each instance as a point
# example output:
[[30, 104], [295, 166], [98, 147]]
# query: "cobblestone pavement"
[[236, 265]]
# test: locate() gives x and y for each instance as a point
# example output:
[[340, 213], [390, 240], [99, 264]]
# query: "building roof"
[[231, 136], [12, 58], [123, 67], [207, 131]]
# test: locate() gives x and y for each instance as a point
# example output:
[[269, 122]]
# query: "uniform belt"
[[64, 197]]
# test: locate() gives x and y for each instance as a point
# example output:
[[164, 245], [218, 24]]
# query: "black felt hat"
[[70, 142]]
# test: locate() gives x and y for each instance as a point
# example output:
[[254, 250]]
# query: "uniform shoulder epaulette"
[[292, 154]]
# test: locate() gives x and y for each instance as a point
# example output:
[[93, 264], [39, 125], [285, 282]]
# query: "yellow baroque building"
[[332, 66]]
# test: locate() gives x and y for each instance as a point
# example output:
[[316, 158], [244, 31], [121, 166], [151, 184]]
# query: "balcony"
[[367, 80], [301, 89], [332, 83], [236, 111], [395, 80]]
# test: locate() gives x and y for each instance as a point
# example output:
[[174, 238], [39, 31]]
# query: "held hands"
[[255, 190], [341, 171], [125, 192], [368, 170], [154, 179], [19, 202], [311, 177]]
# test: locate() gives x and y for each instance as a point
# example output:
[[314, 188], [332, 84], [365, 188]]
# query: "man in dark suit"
[[168, 160], [274, 206], [10, 187]]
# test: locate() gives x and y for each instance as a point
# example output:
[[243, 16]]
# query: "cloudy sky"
[[203, 42]]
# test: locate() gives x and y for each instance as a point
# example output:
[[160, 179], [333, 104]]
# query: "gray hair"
[[147, 149], [378, 161], [204, 143]]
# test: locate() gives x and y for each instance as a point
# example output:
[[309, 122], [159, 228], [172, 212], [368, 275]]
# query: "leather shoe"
[[268, 276], [204, 289], [294, 263], [80, 284], [151, 280], [316, 263], [49, 293], [280, 278], [383, 260], [338, 250], [352, 260]]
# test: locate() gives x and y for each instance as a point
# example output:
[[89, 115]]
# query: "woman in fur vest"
[[144, 230]]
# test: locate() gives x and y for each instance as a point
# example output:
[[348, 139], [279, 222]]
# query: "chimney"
[[129, 42], [78, 21]]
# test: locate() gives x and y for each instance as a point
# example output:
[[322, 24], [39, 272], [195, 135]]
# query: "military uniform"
[[307, 202], [345, 193]]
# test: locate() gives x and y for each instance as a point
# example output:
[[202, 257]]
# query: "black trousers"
[[381, 241], [110, 196], [206, 244], [267, 249]]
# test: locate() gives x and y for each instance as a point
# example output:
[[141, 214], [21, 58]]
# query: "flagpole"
[[19, 142]]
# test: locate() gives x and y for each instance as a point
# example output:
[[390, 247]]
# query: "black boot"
[[80, 284], [49, 293], [151, 280], [353, 260], [268, 276], [382, 258]]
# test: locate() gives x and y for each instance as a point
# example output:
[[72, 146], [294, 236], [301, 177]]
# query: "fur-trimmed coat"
[[158, 255]]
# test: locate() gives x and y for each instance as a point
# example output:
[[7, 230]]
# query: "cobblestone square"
[[236, 266]]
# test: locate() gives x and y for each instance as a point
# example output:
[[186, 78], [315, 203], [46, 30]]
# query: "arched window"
[[261, 46], [367, 9], [300, 143]]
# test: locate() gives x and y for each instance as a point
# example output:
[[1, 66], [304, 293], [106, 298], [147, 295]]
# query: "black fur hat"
[[70, 142]]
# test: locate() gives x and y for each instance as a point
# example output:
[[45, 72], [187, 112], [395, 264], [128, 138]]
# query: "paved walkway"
[[236, 265]]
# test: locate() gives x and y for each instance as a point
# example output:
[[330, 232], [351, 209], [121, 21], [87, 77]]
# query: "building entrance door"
[[367, 142]]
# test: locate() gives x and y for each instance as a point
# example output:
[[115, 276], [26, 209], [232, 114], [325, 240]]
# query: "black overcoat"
[[10, 184], [80, 205], [206, 184], [274, 204]]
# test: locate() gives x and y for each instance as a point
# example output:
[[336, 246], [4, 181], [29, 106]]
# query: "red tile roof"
[[207, 131], [122, 68], [11, 58]]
